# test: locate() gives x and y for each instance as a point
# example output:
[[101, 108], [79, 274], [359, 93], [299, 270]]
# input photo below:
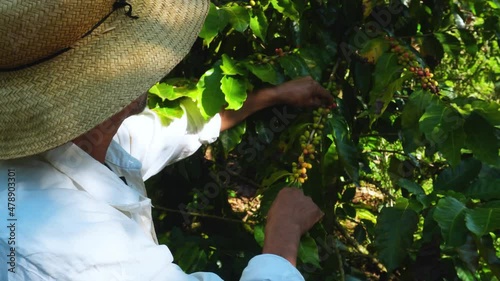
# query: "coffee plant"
[[405, 165]]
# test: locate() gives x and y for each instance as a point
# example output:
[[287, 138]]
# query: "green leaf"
[[287, 8], [308, 251], [469, 41], [212, 97], [374, 49], [450, 216], [259, 235], [379, 100], [450, 43], [168, 114], [183, 87], [438, 120], [481, 221], [163, 90], [215, 22], [232, 137], [235, 90], [347, 151], [239, 17], [230, 67], [259, 24], [481, 139], [458, 178], [488, 110], [316, 60], [431, 47], [411, 186], [386, 71], [265, 72], [485, 188], [394, 235], [452, 146], [386, 81], [274, 177], [294, 66]]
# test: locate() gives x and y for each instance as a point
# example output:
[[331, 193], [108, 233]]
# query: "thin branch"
[[360, 248], [386, 151], [194, 214]]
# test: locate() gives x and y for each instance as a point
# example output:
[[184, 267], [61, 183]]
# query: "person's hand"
[[303, 92], [291, 215]]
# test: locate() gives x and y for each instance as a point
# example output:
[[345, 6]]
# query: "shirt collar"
[[92, 176]]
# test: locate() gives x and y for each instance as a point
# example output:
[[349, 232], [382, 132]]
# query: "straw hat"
[[68, 65]]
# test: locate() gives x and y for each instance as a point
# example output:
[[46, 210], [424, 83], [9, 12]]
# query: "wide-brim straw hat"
[[58, 81]]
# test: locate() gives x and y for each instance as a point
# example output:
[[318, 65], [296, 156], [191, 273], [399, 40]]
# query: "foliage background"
[[408, 167]]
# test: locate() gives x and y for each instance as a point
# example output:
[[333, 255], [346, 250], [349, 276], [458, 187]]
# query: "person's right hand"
[[291, 215]]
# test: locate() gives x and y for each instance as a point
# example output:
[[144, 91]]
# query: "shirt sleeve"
[[155, 145], [268, 267]]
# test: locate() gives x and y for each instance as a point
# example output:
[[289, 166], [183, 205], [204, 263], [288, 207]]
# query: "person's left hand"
[[303, 92]]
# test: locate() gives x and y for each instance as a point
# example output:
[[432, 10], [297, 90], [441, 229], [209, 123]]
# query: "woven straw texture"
[[51, 103]]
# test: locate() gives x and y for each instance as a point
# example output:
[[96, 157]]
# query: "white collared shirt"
[[72, 218]]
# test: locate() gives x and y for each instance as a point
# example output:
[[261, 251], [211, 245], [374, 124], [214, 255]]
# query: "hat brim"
[[51, 103]]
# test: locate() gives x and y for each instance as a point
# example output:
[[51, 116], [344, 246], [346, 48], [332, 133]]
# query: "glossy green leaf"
[[394, 235], [438, 121], [294, 66], [215, 22], [259, 235], [168, 113], [431, 47], [411, 186], [265, 72], [386, 71], [469, 41], [485, 188], [451, 147], [450, 216], [232, 137], [287, 8], [481, 139], [259, 24], [308, 251], [229, 66], [164, 91], [347, 151], [450, 43], [212, 97], [239, 17], [460, 177], [235, 91], [480, 221]]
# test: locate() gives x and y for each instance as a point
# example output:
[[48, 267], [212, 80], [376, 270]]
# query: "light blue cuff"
[[269, 267]]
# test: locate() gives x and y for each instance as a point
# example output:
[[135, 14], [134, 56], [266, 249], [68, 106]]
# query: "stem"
[[341, 266], [360, 248], [384, 150], [194, 214]]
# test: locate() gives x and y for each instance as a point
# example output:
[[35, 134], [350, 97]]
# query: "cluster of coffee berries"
[[309, 141], [409, 61], [426, 79]]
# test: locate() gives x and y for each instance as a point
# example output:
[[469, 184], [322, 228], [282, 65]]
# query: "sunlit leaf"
[[239, 17], [259, 24], [235, 91], [308, 251]]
